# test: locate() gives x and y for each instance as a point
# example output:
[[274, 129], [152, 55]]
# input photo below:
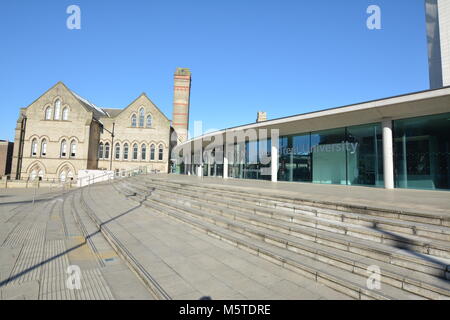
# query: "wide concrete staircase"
[[336, 245]]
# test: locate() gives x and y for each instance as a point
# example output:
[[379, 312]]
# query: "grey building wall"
[[438, 38]]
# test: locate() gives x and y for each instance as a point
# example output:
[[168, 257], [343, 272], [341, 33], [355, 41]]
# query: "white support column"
[[225, 166], [274, 160], [388, 154]]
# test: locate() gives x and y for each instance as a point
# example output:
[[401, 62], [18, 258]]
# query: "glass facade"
[[349, 156], [422, 152], [251, 160]]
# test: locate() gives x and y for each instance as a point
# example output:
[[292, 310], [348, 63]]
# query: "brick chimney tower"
[[181, 101]]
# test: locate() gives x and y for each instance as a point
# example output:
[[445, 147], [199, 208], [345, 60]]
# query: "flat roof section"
[[398, 107]]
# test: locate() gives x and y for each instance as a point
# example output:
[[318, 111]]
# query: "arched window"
[[117, 153], [65, 114], [57, 109], [44, 148], [135, 151], [149, 121], [160, 152], [34, 148], [37, 174], [141, 117], [63, 148], [62, 176], [107, 150], [48, 113], [152, 152], [125, 151], [100, 150], [133, 121], [73, 148], [143, 152]]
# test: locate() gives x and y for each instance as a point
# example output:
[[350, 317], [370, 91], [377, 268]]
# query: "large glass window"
[[236, 160], [295, 158], [348, 156], [213, 162], [422, 152], [352, 156], [250, 160], [365, 155], [328, 156]]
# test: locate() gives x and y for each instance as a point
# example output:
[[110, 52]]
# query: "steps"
[[319, 231], [267, 198], [320, 247]]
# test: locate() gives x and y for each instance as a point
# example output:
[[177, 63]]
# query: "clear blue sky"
[[284, 57]]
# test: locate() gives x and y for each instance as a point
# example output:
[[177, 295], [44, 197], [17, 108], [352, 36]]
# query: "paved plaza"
[[39, 241], [163, 237]]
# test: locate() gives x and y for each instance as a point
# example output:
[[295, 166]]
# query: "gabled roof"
[[112, 113], [144, 95], [98, 112]]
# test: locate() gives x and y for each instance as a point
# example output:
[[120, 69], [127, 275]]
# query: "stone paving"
[[188, 264], [38, 242]]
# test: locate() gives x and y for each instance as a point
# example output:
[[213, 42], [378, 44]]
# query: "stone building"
[[61, 133]]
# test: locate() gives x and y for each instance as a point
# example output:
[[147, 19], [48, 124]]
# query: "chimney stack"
[[181, 101], [261, 116]]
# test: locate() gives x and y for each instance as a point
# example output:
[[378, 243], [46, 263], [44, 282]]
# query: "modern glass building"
[[401, 142], [422, 152]]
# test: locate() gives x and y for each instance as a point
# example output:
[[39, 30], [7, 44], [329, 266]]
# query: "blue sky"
[[285, 57]]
